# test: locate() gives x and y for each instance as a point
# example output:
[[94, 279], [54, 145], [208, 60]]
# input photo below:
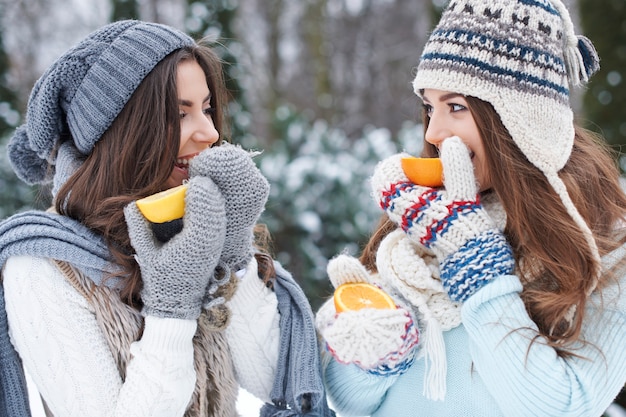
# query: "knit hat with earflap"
[[82, 92], [521, 56]]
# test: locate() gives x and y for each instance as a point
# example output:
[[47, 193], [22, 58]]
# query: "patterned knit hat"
[[83, 92], [521, 56]]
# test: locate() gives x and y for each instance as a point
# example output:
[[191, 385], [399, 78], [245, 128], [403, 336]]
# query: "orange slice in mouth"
[[165, 206], [427, 172]]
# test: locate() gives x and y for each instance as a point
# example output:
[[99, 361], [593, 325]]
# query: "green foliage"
[[14, 195], [124, 9], [9, 117], [604, 22], [320, 203], [212, 22]]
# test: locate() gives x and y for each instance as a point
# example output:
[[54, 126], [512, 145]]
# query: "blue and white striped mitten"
[[450, 221]]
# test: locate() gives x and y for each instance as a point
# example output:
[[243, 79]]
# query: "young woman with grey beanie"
[[108, 319], [509, 278]]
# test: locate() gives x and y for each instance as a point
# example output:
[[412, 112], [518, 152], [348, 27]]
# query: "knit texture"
[[254, 332], [516, 55], [55, 332], [44, 234], [298, 378], [412, 272], [215, 390], [380, 341], [176, 274], [245, 191], [84, 90], [484, 379], [451, 221], [522, 57], [298, 388]]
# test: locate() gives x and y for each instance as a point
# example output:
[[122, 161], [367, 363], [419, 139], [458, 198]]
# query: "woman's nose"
[[436, 134], [437, 131], [205, 131]]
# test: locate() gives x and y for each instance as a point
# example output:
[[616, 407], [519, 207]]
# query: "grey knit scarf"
[[298, 389], [47, 235]]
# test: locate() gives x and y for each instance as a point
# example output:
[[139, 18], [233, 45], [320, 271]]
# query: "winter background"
[[321, 87]]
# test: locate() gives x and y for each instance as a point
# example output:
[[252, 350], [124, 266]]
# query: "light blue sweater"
[[493, 372]]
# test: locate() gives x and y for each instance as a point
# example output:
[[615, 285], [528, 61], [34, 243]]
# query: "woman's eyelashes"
[[209, 111], [454, 107]]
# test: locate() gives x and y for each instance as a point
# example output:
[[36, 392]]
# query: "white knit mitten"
[[381, 341]]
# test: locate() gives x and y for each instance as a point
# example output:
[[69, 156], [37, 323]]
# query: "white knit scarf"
[[410, 273]]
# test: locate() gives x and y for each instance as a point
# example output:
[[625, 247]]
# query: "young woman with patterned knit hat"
[[508, 278]]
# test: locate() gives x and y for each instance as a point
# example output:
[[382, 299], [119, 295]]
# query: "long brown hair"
[[552, 257], [135, 156]]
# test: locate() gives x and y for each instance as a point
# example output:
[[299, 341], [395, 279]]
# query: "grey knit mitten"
[[176, 274], [245, 191]]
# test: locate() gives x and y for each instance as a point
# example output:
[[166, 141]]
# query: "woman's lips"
[[181, 167]]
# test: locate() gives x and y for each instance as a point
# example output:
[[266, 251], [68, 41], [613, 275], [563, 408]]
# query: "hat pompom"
[[591, 60], [28, 166], [581, 59]]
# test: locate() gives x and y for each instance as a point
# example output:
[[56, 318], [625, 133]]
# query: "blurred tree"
[[212, 21], [124, 9], [320, 202], [604, 22], [14, 195], [349, 63], [9, 116]]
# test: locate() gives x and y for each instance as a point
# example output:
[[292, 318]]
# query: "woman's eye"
[[182, 115], [428, 109], [209, 111], [457, 107]]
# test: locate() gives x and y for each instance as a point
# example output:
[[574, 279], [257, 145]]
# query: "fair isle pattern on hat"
[[85, 89], [522, 57], [517, 56]]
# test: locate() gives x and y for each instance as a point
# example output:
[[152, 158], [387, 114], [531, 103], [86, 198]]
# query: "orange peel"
[[164, 206], [427, 172]]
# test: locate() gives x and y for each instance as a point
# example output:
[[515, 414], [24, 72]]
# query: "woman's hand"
[[176, 274], [380, 341], [450, 221], [245, 192]]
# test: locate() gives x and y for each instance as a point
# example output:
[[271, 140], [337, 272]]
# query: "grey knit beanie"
[[81, 94], [522, 57]]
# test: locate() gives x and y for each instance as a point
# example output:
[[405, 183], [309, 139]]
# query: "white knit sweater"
[[54, 330]]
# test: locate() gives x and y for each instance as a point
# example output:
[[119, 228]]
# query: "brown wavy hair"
[[553, 258], [135, 156]]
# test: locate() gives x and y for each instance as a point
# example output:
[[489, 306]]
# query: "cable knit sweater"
[[55, 332], [492, 371]]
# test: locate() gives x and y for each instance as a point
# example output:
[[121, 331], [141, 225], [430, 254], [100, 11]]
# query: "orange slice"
[[423, 171], [358, 295], [165, 206]]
